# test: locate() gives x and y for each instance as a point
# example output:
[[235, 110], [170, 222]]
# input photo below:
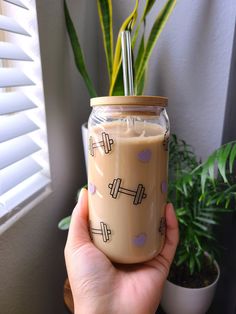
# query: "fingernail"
[[170, 205], [85, 187], [81, 197]]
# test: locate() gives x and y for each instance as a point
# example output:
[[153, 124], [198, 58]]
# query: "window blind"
[[24, 162]]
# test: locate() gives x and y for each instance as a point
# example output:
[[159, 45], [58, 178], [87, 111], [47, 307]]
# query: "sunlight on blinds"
[[24, 161]]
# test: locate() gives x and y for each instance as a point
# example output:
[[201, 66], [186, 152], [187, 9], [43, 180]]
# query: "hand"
[[98, 286]]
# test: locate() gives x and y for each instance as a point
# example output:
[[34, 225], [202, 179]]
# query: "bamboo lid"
[[129, 100]]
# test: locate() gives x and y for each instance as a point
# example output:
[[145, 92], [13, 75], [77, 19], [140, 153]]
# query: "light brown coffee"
[[127, 183]]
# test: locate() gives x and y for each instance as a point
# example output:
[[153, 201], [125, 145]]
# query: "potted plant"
[[200, 192], [142, 44]]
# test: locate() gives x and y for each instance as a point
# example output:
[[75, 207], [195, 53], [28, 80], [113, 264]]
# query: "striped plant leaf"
[[105, 17], [128, 24], [139, 54], [118, 88], [78, 54], [149, 4], [154, 35], [140, 87]]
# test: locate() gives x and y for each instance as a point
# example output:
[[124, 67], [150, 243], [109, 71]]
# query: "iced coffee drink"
[[127, 178]]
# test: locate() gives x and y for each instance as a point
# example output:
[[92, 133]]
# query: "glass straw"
[[127, 63]]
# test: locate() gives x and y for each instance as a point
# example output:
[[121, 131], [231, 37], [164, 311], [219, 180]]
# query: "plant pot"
[[181, 300], [84, 129]]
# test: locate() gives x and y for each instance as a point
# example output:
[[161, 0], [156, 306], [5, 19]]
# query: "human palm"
[[99, 286]]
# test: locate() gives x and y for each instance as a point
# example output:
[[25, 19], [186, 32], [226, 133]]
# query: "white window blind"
[[24, 163]]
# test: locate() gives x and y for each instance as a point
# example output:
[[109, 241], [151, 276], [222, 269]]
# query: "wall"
[[32, 267]]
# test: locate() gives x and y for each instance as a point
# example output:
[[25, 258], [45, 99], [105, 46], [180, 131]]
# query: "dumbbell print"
[[105, 143], [104, 231], [138, 195]]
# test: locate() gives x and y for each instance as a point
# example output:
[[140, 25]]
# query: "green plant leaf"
[[206, 214], [228, 199], [149, 4], [198, 263], [198, 243], [105, 17], [78, 54], [141, 85], [216, 210], [223, 196], [222, 156], [180, 211], [203, 179], [182, 259], [139, 88], [201, 226], [64, 223], [207, 220], [139, 54], [204, 235], [191, 264], [118, 88], [211, 165], [232, 158], [128, 24], [181, 221], [154, 35]]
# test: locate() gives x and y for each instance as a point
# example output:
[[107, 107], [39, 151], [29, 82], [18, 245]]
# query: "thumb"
[[78, 233], [172, 234]]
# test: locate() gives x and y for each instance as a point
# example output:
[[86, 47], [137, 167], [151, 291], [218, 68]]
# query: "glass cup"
[[127, 176]]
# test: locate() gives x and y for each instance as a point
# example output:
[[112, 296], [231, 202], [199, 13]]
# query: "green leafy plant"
[[200, 192], [113, 58], [64, 223]]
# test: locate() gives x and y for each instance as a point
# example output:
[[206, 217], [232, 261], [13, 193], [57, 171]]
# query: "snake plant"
[[113, 56]]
